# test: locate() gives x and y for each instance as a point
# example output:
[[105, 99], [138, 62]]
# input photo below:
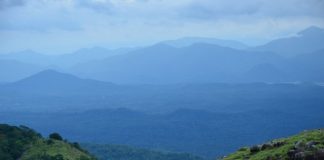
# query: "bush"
[[266, 146], [243, 149], [254, 149], [56, 136], [49, 142]]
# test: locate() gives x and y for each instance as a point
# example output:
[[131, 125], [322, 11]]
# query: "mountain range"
[[165, 117], [191, 98], [187, 60], [62, 61], [165, 64], [306, 41]]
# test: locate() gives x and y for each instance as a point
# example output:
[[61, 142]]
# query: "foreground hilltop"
[[308, 145], [25, 144]]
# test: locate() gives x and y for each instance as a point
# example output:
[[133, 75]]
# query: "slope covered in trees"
[[24, 143]]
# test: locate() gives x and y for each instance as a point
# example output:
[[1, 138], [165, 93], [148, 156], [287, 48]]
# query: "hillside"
[[306, 145], [25, 144]]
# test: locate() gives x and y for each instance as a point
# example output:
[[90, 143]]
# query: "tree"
[[56, 136]]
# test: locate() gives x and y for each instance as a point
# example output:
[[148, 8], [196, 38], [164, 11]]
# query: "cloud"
[[42, 16], [97, 5], [207, 9], [4, 4], [139, 22]]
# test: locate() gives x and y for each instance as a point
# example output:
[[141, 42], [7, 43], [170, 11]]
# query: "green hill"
[[121, 152], [308, 145], [24, 143]]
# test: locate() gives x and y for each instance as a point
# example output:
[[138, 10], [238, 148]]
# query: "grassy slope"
[[57, 147], [282, 151], [23, 143]]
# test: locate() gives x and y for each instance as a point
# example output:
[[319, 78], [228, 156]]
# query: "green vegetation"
[[120, 152], [25, 144], [15, 140], [306, 145], [56, 136]]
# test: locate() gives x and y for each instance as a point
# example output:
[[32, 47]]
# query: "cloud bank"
[[57, 26]]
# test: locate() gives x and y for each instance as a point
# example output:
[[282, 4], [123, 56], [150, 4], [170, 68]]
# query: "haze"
[[63, 26], [161, 79]]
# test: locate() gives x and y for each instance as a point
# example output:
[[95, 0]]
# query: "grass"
[[280, 152], [41, 147]]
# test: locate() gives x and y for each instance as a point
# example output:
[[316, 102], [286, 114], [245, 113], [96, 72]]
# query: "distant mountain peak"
[[49, 76], [307, 41], [310, 31], [159, 47], [52, 81], [96, 48], [206, 45], [187, 41], [49, 72]]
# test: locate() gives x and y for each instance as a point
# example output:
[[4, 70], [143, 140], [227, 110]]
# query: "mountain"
[[306, 67], [51, 81], [25, 144], [166, 64], [87, 54], [188, 41], [122, 152], [306, 41], [306, 145], [12, 70], [29, 56], [63, 60], [81, 94], [303, 67]]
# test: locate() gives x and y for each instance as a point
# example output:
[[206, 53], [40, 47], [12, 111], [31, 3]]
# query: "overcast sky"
[[59, 26]]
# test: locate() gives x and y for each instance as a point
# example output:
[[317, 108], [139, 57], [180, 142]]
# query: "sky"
[[62, 26]]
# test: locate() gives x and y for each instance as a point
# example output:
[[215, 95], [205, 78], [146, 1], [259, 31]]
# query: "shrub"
[[56, 136], [254, 149], [49, 142], [243, 149], [266, 146]]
